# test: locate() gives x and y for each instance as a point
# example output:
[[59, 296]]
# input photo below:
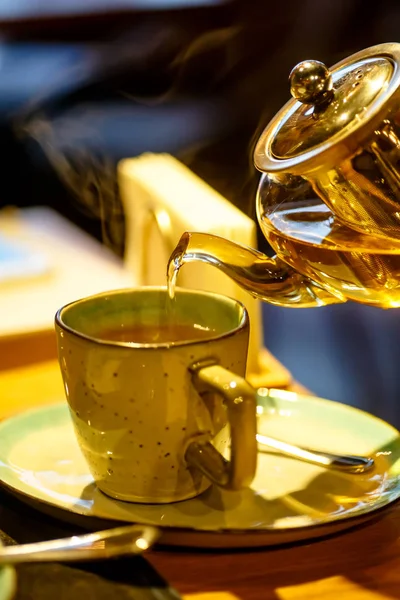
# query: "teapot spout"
[[268, 279]]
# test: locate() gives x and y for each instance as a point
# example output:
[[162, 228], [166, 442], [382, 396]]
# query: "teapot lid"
[[332, 112]]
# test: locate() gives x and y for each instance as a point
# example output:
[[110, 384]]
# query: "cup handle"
[[240, 400]]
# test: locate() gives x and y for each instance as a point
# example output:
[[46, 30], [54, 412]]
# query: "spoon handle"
[[130, 539], [340, 462]]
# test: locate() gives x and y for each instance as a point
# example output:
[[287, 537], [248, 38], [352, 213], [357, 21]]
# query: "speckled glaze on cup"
[[139, 412]]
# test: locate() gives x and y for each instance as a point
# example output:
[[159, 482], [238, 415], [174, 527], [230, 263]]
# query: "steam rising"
[[149, 71]]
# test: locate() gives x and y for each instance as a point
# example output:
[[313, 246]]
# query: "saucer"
[[289, 500]]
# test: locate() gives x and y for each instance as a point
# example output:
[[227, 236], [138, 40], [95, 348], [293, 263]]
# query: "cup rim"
[[150, 345]]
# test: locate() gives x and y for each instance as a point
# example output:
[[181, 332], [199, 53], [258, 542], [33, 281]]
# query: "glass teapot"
[[328, 200]]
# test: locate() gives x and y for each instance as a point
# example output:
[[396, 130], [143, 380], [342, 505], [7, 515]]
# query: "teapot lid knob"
[[311, 83]]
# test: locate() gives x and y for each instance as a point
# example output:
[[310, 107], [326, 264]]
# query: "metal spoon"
[[340, 462], [111, 543]]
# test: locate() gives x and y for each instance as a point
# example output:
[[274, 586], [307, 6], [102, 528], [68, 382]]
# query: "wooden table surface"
[[363, 563]]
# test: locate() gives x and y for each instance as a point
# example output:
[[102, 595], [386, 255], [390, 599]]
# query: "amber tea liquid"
[[162, 333], [312, 241]]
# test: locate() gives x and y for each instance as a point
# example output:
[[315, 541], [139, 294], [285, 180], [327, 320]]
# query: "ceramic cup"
[[155, 421]]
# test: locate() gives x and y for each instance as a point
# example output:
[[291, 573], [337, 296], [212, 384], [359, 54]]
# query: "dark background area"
[[80, 92]]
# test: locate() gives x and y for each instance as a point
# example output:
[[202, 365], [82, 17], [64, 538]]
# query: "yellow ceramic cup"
[[155, 421]]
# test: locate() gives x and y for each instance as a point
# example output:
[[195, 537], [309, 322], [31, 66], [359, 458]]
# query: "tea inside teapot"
[[354, 266]]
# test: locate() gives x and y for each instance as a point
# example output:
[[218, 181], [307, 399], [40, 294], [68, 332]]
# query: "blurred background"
[[85, 84]]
